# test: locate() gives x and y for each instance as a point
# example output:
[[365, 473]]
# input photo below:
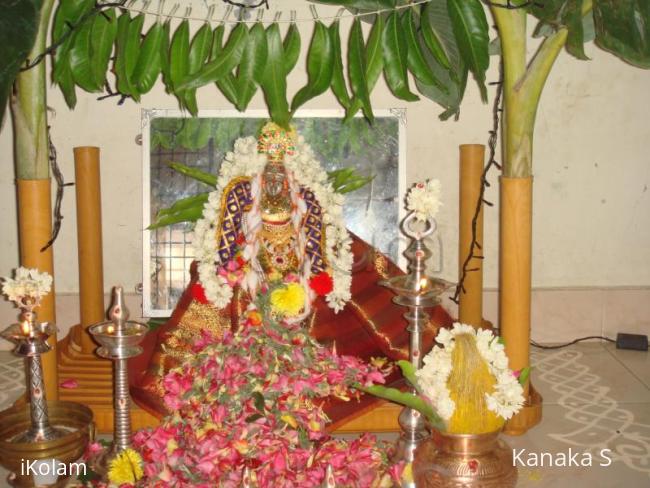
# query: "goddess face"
[[274, 179]]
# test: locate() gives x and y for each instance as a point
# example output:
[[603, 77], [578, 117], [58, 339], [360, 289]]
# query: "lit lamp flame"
[[422, 284], [26, 329], [110, 329]]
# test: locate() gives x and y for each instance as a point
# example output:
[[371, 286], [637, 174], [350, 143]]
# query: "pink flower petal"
[[69, 384]]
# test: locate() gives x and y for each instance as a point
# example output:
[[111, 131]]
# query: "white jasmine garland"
[[508, 395], [303, 170], [27, 284], [424, 199]]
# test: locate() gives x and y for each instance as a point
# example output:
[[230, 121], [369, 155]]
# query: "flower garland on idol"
[[303, 171]]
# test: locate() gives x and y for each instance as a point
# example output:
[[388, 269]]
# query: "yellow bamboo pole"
[[89, 242], [35, 230], [472, 157], [515, 232]]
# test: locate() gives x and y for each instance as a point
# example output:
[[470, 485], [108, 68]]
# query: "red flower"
[[322, 283], [241, 239], [198, 293], [240, 261]]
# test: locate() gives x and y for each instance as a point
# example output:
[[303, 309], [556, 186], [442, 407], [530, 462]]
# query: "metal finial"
[[118, 313], [246, 478], [330, 481]]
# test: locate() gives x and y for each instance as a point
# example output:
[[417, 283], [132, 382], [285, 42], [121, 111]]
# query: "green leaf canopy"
[[424, 49]]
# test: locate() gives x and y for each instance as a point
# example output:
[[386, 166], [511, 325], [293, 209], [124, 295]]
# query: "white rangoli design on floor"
[[602, 422]]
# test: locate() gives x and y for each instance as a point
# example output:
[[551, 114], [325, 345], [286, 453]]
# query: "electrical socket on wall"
[[635, 342]]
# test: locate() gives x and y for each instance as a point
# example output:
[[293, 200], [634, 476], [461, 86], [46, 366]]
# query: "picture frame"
[[170, 135]]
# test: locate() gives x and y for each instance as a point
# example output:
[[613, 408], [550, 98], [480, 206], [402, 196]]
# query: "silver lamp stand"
[[118, 340], [417, 291], [30, 338]]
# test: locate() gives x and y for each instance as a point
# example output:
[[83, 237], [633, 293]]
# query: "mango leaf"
[[179, 55], [575, 40], [274, 83], [258, 401], [454, 81], [357, 70], [408, 371], [373, 5], [549, 11], [431, 36], [191, 214], [251, 68], [374, 63], [223, 64], [339, 88], [198, 53], [67, 14], [164, 57], [132, 52], [102, 38], [407, 399], [183, 204], [196, 174], [555, 14], [149, 62], [347, 180], [396, 59], [199, 48], [291, 48], [80, 58], [435, 17], [18, 28], [416, 62], [320, 66], [227, 82], [122, 42], [67, 86], [623, 29], [471, 30]]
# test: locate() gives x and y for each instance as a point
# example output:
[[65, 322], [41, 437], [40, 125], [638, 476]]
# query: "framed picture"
[[372, 212]]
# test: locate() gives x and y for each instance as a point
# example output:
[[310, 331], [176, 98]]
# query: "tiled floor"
[[595, 398]]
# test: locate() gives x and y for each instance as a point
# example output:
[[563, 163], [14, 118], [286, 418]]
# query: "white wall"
[[591, 206]]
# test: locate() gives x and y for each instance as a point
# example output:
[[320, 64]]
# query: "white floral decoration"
[[508, 395], [303, 169], [423, 199], [28, 284]]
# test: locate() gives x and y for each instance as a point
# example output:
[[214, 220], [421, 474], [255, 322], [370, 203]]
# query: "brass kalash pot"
[[41, 438], [464, 461]]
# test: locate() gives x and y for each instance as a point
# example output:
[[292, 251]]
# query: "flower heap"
[[27, 288], [423, 199], [504, 399], [303, 171], [253, 401]]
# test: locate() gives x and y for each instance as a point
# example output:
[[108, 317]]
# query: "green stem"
[[523, 85], [28, 107]]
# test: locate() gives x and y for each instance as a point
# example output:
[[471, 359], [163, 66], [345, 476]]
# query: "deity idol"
[[274, 227]]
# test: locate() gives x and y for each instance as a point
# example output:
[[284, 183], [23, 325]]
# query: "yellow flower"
[[288, 419], [407, 474], [288, 300], [126, 467]]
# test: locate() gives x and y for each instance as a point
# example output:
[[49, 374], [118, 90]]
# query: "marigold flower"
[[125, 468], [288, 300]]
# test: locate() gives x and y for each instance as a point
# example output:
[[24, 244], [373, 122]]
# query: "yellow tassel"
[[469, 381]]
